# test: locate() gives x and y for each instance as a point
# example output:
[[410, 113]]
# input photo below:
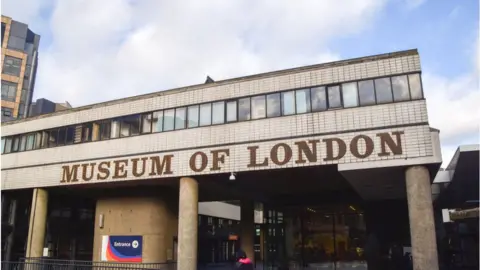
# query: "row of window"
[[315, 99], [12, 65]]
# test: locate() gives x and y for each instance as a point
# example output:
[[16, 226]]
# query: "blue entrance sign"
[[122, 248]]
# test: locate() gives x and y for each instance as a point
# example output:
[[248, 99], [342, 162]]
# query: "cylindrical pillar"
[[187, 224], [422, 224], [38, 223], [247, 228]]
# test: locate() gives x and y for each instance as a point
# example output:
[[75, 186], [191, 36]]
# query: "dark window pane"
[[8, 145], [70, 135], [193, 114], [273, 105], [52, 138], [7, 111], [232, 111], [258, 107], [3, 144], [415, 86], [350, 95], [400, 88], [244, 109], [9, 91], [319, 99], [146, 123], [169, 120], [157, 125], [23, 143], [218, 113], [205, 114], [61, 136], [383, 90], [302, 100], [130, 126], [87, 132], [180, 117], [366, 92], [288, 103], [334, 100], [38, 140], [30, 141], [45, 135], [12, 65], [16, 43]]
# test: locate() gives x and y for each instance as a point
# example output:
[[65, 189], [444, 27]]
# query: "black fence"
[[54, 264]]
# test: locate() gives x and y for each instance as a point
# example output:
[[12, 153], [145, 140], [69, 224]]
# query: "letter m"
[[69, 174]]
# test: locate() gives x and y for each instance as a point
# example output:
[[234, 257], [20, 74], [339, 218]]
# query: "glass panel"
[[273, 105], [288, 103], [52, 138], [115, 132], [8, 145], [16, 143], [95, 131], [244, 109], [169, 120], [415, 86], [180, 118], [319, 99], [193, 114], [3, 144], [302, 99], [12, 65], [30, 142], [157, 121], [400, 88], [23, 143], [350, 95], [44, 139], [218, 113], [124, 128], [134, 122], [232, 111], [334, 100], [61, 136], [205, 114], [38, 140], [366, 91], [258, 107], [9, 91], [383, 90], [146, 123], [87, 132], [70, 135]]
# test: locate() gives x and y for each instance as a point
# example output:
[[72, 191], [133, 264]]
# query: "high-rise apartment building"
[[18, 68]]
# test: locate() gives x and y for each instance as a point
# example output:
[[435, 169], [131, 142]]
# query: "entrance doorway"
[[327, 237]]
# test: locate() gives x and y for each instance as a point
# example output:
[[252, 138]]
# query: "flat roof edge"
[[223, 82]]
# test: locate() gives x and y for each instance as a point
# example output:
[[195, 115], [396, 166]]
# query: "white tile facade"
[[42, 168]]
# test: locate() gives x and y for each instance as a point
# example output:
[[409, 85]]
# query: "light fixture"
[[232, 177]]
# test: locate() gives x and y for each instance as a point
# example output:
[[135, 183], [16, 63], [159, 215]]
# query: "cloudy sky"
[[94, 51]]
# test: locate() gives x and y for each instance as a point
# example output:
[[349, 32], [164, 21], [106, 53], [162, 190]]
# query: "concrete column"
[[422, 224], [38, 223], [187, 224], [247, 228]]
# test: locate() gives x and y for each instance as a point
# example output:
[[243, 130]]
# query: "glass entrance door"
[[274, 239]]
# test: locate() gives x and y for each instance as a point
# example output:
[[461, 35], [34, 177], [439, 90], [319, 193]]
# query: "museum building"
[[339, 156]]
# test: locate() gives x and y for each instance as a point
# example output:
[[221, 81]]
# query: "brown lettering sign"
[[302, 151]]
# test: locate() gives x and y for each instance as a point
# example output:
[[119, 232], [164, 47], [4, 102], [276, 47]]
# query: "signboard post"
[[127, 248]]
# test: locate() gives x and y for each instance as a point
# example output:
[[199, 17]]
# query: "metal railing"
[[55, 264]]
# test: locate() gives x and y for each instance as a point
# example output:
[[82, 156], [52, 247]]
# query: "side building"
[[18, 68]]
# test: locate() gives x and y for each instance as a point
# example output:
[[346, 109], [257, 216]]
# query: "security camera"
[[232, 177]]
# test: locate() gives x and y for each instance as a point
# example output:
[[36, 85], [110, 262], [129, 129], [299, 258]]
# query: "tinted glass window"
[[218, 113], [62, 132], [3, 144], [52, 138], [193, 115], [8, 145], [157, 122], [366, 92], [12, 65], [180, 118], [273, 105], [205, 114], [244, 109], [30, 141], [258, 107], [400, 88], [45, 136], [231, 111], [7, 111], [115, 129], [415, 86], [288, 103], [302, 100], [23, 143], [87, 132], [146, 123], [169, 120], [319, 99], [9, 91], [38, 140], [383, 90], [16, 143], [70, 135], [350, 95], [16, 43], [334, 100]]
